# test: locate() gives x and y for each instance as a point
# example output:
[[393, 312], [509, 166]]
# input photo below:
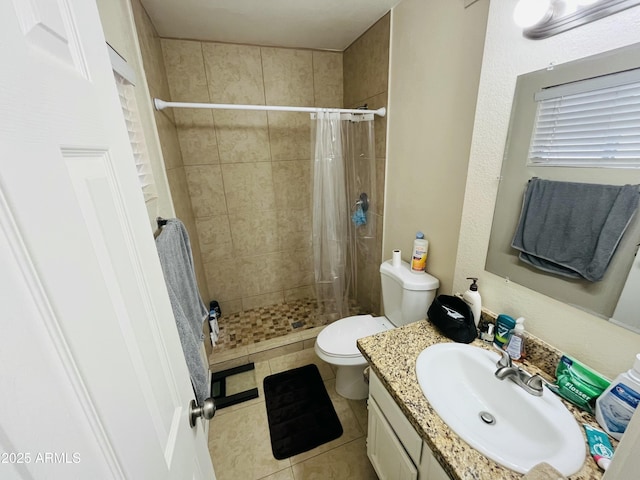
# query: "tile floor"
[[239, 435]]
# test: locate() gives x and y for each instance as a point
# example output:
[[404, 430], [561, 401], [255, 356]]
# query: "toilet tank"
[[406, 295]]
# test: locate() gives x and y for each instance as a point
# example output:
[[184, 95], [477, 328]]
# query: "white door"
[[93, 382]]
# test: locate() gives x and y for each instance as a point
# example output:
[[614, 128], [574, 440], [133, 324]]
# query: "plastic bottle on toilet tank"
[[419, 254]]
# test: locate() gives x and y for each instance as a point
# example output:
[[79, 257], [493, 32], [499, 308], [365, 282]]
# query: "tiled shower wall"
[[240, 181], [248, 173], [158, 88], [366, 72]]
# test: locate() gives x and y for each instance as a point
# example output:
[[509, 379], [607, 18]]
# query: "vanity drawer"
[[403, 429]]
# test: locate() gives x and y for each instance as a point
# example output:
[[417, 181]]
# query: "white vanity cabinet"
[[394, 448]]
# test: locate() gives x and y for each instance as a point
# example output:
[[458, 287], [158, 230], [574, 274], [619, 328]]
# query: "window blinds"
[[136, 137], [589, 123]]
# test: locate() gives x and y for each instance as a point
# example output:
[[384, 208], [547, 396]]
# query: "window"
[[588, 123]]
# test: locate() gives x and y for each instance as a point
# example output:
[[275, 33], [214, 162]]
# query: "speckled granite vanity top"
[[392, 356]]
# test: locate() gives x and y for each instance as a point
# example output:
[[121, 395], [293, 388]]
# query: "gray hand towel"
[[573, 229], [190, 313]]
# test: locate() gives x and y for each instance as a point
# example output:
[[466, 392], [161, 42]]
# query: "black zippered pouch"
[[453, 318]]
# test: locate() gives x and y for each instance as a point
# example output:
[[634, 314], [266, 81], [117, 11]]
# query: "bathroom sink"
[[497, 417]]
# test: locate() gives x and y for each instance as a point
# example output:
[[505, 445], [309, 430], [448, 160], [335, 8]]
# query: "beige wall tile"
[[224, 281], [198, 145], [366, 69], [288, 76], [299, 294], [241, 201], [242, 136], [289, 135], [206, 190], [197, 136], [248, 187], [231, 306], [327, 79], [254, 232], [249, 303], [296, 268], [198, 267], [260, 274], [179, 192], [367, 58], [185, 70], [380, 123], [292, 182], [193, 117], [380, 182], [234, 73], [214, 234], [294, 229], [169, 142]]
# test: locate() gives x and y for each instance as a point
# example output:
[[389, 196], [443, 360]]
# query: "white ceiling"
[[319, 24]]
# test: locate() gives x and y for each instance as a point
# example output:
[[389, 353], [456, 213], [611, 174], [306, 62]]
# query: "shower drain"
[[487, 418]]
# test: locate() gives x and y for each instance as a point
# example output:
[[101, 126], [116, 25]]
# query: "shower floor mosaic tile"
[[264, 323]]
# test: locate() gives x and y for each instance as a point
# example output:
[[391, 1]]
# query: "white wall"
[[602, 345], [435, 60]]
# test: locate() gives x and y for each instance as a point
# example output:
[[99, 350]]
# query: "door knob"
[[207, 410]]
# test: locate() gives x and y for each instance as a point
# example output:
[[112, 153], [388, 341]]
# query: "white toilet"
[[406, 296]]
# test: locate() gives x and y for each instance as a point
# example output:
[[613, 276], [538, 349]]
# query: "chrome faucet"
[[530, 383]]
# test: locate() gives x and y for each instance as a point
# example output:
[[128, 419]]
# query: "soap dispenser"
[[472, 298]]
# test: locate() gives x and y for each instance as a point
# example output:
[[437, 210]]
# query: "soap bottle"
[[419, 254], [473, 299], [615, 407], [515, 346]]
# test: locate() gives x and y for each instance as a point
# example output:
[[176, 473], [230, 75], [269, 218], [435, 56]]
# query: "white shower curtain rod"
[[161, 105]]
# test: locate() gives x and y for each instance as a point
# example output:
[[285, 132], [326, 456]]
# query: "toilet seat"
[[338, 340]]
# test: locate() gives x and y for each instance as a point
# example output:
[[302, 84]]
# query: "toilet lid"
[[339, 338]]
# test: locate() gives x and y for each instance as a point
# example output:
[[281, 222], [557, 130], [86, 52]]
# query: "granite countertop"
[[392, 356]]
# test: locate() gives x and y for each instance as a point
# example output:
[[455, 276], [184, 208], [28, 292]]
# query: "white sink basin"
[[458, 381]]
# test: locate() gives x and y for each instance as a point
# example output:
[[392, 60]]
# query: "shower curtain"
[[342, 224]]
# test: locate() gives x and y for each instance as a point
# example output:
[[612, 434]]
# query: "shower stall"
[[242, 180]]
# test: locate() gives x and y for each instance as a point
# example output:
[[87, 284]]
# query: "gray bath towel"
[[190, 313], [573, 229]]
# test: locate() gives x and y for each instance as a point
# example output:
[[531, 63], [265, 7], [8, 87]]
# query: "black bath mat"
[[301, 415]]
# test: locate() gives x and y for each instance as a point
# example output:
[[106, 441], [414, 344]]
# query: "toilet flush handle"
[[207, 410]]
